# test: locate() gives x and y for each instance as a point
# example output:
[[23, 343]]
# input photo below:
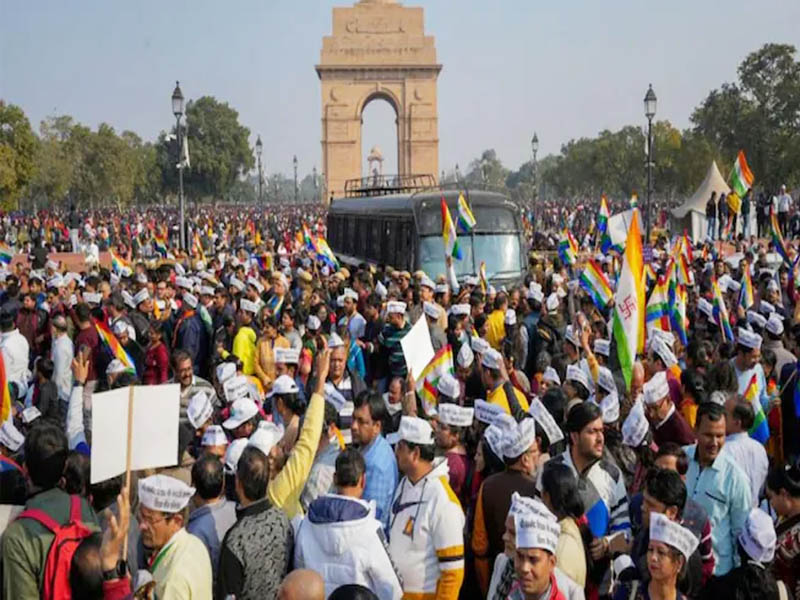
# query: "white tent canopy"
[[691, 215]]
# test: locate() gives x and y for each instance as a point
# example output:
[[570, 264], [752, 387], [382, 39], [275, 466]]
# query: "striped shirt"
[[389, 339]]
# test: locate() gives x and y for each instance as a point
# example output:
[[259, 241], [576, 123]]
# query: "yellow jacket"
[[265, 359], [284, 491], [244, 348], [498, 396]]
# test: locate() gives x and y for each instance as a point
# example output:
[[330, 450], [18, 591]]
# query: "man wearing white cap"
[[774, 330], [180, 563], [354, 320], [452, 421], [190, 335], [520, 450], [747, 363], [432, 312], [426, 541], [499, 389], [668, 424], [394, 330], [537, 535]]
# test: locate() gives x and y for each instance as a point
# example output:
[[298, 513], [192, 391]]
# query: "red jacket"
[[156, 365]]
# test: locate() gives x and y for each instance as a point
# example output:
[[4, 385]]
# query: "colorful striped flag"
[[650, 273], [720, 311], [325, 254], [449, 233], [568, 248], [117, 262], [634, 200], [160, 244], [482, 276], [441, 363], [5, 394], [746, 296], [777, 238], [6, 254], [629, 303], [741, 175], [603, 216], [760, 429], [117, 351], [595, 282], [466, 220], [657, 307], [678, 320]]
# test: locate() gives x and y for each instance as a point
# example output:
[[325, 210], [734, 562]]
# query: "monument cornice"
[[361, 72]]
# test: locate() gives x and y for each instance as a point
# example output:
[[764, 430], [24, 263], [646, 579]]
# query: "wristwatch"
[[118, 572]]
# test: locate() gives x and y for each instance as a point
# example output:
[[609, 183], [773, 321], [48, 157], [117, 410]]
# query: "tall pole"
[[649, 174], [180, 181], [260, 177], [294, 161]]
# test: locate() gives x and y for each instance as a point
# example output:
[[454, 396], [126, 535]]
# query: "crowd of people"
[[311, 464]]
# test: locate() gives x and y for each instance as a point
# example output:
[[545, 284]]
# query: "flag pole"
[[128, 461]]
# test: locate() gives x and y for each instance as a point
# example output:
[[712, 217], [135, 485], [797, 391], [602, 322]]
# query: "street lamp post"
[[484, 172], [177, 110], [649, 112], [294, 162], [259, 150], [314, 181], [535, 148], [458, 174]]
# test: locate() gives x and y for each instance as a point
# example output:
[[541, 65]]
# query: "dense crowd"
[[311, 464]]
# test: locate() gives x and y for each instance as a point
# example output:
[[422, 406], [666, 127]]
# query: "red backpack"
[[59, 557]]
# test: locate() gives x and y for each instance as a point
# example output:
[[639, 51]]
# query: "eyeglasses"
[[148, 520]]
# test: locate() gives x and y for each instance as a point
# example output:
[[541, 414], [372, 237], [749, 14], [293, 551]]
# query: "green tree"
[[218, 150], [17, 151]]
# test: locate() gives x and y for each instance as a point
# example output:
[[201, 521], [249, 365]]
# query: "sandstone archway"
[[378, 49]]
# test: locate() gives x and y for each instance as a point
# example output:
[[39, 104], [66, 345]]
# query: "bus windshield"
[[500, 252]]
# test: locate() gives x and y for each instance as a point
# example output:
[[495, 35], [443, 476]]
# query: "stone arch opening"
[[380, 138]]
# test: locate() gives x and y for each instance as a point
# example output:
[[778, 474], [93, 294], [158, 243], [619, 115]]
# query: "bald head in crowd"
[[302, 584]]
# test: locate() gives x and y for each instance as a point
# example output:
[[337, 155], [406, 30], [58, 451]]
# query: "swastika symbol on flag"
[[627, 306]]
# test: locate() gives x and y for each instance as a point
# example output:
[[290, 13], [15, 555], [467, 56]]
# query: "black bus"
[[400, 224]]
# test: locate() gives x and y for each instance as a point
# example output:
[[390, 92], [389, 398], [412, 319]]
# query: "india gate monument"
[[378, 50]]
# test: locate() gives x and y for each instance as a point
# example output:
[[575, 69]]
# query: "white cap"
[[30, 414], [141, 296], [455, 415], [545, 420], [704, 306], [772, 286], [765, 307], [120, 327], [10, 436], [395, 307], [431, 310], [460, 310], [313, 323], [233, 454], [266, 437], [93, 297], [479, 345], [287, 356], [238, 284], [758, 537], [381, 290], [236, 387], [465, 356], [449, 386], [748, 339], [334, 396], [520, 439], [492, 359], [536, 530], [610, 407], [656, 388], [190, 299], [51, 264], [775, 324], [214, 435], [756, 319], [335, 341], [350, 293], [249, 306], [256, 284], [511, 317], [493, 436], [283, 385], [225, 371], [115, 366], [674, 535], [206, 290], [552, 302], [605, 380], [551, 375], [179, 269], [602, 347], [635, 426], [471, 280], [576, 374], [242, 411], [571, 337], [660, 349], [413, 430], [427, 282], [441, 288], [164, 493], [485, 412], [734, 286], [184, 282], [199, 410]]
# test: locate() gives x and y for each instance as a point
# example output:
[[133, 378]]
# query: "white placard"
[[8, 512], [154, 431], [417, 348]]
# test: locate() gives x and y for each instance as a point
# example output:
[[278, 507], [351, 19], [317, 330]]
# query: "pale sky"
[[564, 69]]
